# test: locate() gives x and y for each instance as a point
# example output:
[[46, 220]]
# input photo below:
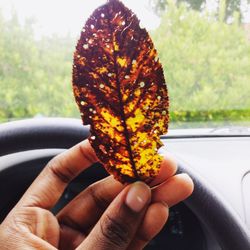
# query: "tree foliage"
[[161, 5], [35, 75], [206, 63], [230, 7]]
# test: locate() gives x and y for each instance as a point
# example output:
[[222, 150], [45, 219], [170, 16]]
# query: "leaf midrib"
[[123, 117]]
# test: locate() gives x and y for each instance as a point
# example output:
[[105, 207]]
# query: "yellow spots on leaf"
[[113, 121], [131, 105], [116, 46], [145, 155], [152, 167], [122, 61], [122, 157], [106, 129], [141, 138], [125, 96], [122, 164], [102, 70], [147, 103], [135, 121], [126, 170], [76, 91], [161, 123], [147, 160], [137, 93], [127, 146], [134, 67], [129, 108], [152, 53], [81, 60], [94, 75]]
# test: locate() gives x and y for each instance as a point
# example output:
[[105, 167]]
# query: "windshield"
[[204, 47]]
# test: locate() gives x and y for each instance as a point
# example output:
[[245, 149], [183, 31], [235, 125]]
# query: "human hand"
[[107, 215]]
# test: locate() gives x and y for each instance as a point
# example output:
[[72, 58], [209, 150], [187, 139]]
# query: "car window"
[[204, 47]]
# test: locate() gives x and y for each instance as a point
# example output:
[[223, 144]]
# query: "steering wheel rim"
[[206, 203]]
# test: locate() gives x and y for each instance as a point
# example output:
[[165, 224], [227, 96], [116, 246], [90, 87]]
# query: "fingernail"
[[138, 196], [185, 176]]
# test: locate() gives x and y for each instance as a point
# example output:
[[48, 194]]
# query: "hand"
[[107, 215]]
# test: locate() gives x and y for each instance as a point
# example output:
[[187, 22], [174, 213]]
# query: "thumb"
[[118, 225]]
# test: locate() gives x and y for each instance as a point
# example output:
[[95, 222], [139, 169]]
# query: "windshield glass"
[[204, 47]]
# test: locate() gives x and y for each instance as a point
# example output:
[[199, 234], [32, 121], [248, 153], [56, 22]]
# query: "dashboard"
[[222, 160]]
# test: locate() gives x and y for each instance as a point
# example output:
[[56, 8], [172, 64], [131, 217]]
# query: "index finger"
[[47, 188], [167, 169]]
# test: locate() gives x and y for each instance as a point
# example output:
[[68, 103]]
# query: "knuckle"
[[66, 220], [98, 199], [44, 213], [88, 152], [115, 231], [23, 220], [31, 216], [60, 169]]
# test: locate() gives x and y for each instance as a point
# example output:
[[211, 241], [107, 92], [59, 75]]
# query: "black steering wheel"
[[55, 134]]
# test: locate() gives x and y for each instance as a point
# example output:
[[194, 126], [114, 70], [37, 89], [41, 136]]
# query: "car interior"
[[214, 217], [201, 49]]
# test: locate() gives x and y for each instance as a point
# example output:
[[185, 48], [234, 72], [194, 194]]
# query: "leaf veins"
[[119, 86]]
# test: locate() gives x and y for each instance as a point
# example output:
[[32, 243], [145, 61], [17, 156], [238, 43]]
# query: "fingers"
[[174, 190], [171, 192], [86, 209], [168, 169], [50, 184], [118, 225], [69, 238], [154, 220]]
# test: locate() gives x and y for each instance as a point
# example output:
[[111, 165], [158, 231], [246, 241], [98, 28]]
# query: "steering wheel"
[[57, 134]]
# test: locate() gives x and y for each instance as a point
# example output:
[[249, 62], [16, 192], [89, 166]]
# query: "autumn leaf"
[[119, 86]]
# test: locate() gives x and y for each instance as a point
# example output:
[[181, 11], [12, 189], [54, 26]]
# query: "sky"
[[62, 17], [68, 16]]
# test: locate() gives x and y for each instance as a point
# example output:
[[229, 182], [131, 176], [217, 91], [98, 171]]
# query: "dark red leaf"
[[120, 89]]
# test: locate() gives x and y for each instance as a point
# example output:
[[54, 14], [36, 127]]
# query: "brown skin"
[[107, 215]]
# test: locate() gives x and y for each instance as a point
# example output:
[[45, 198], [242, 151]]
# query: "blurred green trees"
[[206, 63], [230, 6], [207, 66], [35, 75]]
